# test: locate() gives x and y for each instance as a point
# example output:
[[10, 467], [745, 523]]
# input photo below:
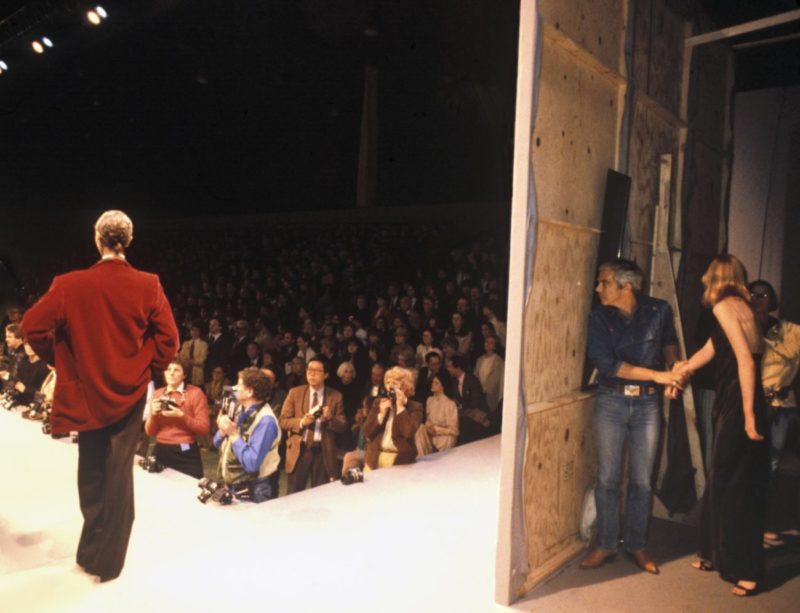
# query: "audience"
[[358, 300]]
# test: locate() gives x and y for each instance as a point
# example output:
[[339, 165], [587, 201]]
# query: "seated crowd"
[[378, 345]]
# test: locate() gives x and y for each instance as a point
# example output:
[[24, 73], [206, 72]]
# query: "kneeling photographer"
[[178, 415], [248, 443]]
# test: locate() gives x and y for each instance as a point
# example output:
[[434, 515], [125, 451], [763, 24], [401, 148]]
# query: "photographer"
[[392, 423], [248, 445], [31, 373], [178, 415], [14, 355]]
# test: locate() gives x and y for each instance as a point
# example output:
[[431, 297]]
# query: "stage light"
[[47, 42], [3, 67], [93, 18], [37, 46], [101, 11]]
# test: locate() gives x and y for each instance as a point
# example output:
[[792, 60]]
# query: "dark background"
[[179, 108]]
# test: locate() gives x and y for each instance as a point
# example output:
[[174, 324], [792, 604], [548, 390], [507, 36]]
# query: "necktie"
[[313, 426], [191, 351]]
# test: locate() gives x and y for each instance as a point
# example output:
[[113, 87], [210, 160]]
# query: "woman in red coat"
[[104, 329]]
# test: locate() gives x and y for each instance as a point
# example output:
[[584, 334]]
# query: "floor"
[[418, 538]]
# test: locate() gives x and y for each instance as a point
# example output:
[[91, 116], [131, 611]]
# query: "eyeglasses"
[[759, 295]]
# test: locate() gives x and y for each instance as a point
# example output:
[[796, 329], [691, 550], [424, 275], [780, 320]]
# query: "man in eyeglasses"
[[311, 415], [779, 368]]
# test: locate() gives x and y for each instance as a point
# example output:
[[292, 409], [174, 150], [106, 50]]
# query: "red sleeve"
[[42, 319]]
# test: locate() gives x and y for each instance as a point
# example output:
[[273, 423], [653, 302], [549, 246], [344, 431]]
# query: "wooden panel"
[[559, 468], [711, 94], [651, 137], [596, 25], [575, 138], [555, 320], [658, 52]]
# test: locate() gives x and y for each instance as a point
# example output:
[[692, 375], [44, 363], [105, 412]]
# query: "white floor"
[[411, 538]]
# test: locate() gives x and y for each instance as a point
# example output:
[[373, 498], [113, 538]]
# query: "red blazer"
[[103, 329]]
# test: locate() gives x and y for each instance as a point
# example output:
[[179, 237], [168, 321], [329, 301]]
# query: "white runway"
[[411, 538]]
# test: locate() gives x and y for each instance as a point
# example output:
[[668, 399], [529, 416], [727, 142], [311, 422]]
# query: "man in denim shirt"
[[631, 341]]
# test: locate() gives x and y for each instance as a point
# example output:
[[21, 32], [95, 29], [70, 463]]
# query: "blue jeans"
[[617, 418], [780, 421]]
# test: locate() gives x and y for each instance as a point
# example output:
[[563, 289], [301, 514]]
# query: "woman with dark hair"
[[440, 430], [733, 509]]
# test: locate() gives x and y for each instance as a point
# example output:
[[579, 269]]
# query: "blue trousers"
[[618, 419]]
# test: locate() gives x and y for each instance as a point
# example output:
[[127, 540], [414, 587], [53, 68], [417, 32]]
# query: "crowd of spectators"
[[340, 312]]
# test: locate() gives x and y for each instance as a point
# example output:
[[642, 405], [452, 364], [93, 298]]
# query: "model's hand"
[[671, 392], [751, 431], [666, 377]]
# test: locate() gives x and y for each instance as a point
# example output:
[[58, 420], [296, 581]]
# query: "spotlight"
[[93, 18], [3, 67], [47, 42], [101, 11], [37, 46]]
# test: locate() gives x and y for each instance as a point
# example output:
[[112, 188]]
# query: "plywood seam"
[[564, 42], [555, 403], [659, 109], [572, 226]]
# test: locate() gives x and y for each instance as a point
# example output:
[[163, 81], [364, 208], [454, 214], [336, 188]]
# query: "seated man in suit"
[[392, 422], [311, 416], [473, 413]]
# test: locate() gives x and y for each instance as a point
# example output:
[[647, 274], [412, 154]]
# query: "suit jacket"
[[471, 396], [219, 353], [103, 329], [238, 356], [197, 374], [294, 408], [404, 427]]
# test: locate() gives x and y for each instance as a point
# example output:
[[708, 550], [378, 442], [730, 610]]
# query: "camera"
[[228, 405], [391, 394], [8, 399], [353, 475], [165, 403], [151, 465], [316, 412], [222, 493], [37, 408]]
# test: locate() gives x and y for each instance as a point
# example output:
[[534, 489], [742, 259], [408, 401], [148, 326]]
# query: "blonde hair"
[[403, 377], [725, 276], [115, 230]]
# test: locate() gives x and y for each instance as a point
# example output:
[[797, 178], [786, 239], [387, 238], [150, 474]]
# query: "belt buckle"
[[632, 390]]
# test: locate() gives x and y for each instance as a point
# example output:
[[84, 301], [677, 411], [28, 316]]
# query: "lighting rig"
[[31, 27]]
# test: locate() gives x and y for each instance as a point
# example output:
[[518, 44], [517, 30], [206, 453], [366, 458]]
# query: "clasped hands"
[[674, 380]]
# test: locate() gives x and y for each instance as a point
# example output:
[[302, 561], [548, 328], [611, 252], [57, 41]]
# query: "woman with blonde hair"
[[392, 422], [733, 508]]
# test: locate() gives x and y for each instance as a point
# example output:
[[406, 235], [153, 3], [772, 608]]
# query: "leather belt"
[[633, 390]]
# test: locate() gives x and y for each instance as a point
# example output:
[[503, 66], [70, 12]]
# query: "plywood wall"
[[575, 141]]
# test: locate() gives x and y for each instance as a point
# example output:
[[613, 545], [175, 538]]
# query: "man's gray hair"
[[625, 271]]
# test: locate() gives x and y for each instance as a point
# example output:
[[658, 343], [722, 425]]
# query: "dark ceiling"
[[240, 106]]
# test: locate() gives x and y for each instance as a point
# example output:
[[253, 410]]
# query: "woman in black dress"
[[733, 509]]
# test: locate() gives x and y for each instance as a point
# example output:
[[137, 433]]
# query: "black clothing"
[[105, 491], [733, 513]]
